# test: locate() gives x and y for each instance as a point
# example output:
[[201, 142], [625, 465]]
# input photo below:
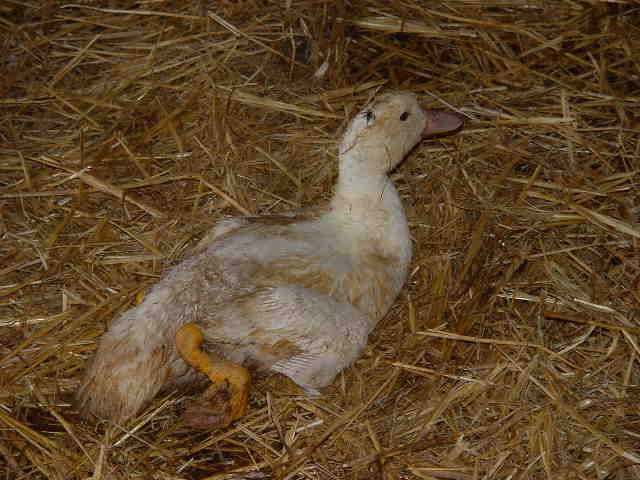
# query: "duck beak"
[[441, 123]]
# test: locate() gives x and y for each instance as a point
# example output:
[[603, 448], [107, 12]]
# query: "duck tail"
[[136, 359]]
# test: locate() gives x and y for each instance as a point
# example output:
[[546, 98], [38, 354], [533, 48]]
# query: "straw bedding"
[[129, 127]]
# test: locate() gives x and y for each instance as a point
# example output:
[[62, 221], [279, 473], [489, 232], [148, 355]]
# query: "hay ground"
[[128, 128]]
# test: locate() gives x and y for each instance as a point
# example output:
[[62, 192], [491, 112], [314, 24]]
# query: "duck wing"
[[231, 225], [298, 332]]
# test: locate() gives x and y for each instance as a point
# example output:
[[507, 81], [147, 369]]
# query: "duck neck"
[[368, 207], [355, 180], [355, 187]]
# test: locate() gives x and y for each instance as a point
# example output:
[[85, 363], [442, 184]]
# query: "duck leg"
[[224, 401]]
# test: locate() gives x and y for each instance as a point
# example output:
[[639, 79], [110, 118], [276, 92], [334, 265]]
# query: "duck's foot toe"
[[212, 410], [224, 401]]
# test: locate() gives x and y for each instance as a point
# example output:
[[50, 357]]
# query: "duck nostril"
[[404, 116]]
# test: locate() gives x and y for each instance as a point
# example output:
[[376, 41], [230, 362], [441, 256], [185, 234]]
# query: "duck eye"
[[404, 116], [369, 116]]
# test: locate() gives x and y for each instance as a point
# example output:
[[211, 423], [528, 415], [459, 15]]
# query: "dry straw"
[[128, 128]]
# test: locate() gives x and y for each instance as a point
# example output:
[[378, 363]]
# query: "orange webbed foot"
[[212, 410], [224, 401]]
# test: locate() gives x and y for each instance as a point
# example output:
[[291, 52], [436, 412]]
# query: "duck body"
[[296, 294]]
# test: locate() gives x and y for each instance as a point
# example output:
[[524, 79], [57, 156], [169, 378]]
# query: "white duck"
[[296, 294]]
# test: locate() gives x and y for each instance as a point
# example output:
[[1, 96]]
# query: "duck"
[[295, 294]]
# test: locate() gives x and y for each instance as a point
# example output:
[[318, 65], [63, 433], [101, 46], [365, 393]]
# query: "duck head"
[[380, 136]]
